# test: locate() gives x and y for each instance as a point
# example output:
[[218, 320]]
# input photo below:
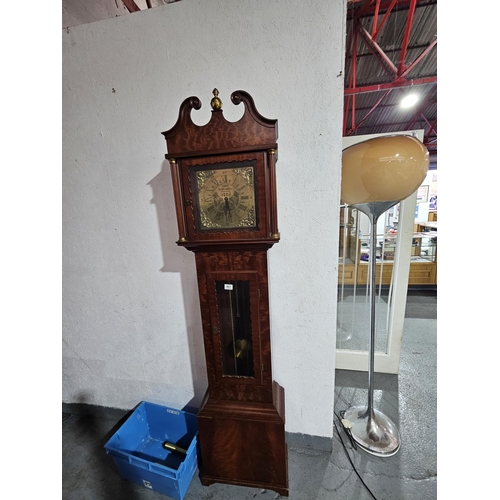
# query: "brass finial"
[[216, 103]]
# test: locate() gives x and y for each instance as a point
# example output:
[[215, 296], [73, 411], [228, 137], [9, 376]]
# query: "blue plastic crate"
[[137, 451]]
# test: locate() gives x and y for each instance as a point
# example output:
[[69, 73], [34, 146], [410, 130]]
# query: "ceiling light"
[[409, 100]]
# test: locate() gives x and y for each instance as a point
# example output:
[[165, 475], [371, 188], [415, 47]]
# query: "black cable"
[[348, 432]]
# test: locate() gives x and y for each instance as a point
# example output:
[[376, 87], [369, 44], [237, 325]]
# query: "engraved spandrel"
[[248, 221], [208, 223], [202, 176], [246, 173]]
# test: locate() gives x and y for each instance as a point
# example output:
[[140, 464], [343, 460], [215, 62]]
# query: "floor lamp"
[[376, 175]]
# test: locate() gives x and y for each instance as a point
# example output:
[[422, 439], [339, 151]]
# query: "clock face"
[[226, 197]]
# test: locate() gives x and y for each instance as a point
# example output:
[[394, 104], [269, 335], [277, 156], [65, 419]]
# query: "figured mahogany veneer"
[[243, 443], [242, 418]]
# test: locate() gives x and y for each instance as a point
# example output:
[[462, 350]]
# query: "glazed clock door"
[[225, 197], [234, 304]]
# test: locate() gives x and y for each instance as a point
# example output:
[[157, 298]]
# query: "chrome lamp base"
[[375, 434]]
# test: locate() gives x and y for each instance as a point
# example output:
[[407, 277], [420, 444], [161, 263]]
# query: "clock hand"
[[227, 208]]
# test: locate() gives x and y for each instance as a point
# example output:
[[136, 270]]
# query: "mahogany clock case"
[[224, 184]]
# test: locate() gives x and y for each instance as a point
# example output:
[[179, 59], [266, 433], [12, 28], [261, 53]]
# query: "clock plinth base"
[[207, 481], [243, 443]]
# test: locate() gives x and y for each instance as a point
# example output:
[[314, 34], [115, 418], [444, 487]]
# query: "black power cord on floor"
[[353, 443]]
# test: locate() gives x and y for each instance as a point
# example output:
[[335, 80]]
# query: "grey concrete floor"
[[409, 399]]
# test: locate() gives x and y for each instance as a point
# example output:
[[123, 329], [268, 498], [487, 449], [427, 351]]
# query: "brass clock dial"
[[226, 197]]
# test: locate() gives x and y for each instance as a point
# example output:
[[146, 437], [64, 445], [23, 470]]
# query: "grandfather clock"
[[224, 185]]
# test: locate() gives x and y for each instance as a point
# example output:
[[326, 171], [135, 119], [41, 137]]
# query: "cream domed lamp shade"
[[376, 175]]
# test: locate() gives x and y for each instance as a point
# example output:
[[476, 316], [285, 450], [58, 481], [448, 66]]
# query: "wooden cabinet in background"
[[354, 253]]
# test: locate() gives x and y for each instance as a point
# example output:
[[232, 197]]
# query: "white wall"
[[131, 325]]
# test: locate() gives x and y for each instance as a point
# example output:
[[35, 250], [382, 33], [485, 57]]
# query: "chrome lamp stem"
[[373, 431]]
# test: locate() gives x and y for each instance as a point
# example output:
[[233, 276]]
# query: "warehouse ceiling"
[[391, 51]]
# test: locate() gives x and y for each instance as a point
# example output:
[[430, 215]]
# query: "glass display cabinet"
[[354, 249]]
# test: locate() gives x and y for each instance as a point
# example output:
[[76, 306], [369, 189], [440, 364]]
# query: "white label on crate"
[[147, 484], [228, 286], [173, 411]]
